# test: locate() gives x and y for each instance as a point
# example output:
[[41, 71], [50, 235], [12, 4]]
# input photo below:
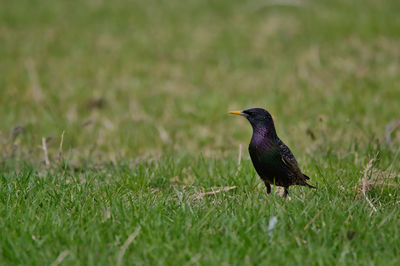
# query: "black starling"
[[272, 159]]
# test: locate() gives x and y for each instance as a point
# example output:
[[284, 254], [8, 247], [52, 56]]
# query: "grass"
[[91, 212], [141, 91]]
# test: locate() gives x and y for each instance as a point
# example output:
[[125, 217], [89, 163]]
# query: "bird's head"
[[258, 117]]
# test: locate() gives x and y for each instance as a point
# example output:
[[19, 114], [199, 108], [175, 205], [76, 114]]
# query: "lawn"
[[116, 146]]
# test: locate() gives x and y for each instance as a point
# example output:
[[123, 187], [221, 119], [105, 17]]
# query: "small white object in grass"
[[272, 223], [271, 226]]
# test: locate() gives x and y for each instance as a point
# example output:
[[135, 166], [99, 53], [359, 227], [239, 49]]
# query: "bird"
[[272, 159]]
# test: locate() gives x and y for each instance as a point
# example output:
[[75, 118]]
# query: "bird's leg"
[[268, 187], [286, 192]]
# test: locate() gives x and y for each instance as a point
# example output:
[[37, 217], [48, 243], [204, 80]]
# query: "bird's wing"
[[289, 160]]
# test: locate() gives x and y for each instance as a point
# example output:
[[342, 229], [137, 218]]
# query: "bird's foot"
[[285, 193]]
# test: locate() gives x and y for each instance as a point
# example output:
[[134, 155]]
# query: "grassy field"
[[143, 163]]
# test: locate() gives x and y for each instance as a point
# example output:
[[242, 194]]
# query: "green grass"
[[91, 212], [141, 90]]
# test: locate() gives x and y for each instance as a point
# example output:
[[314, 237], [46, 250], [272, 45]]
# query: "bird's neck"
[[264, 132]]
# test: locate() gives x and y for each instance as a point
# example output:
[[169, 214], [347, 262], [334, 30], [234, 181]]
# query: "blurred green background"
[[142, 78]]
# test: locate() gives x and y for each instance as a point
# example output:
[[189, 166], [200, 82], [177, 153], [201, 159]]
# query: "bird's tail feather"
[[308, 185]]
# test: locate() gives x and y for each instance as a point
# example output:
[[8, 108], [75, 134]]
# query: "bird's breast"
[[263, 153]]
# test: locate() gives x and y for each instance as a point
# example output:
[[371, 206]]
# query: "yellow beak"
[[236, 112]]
